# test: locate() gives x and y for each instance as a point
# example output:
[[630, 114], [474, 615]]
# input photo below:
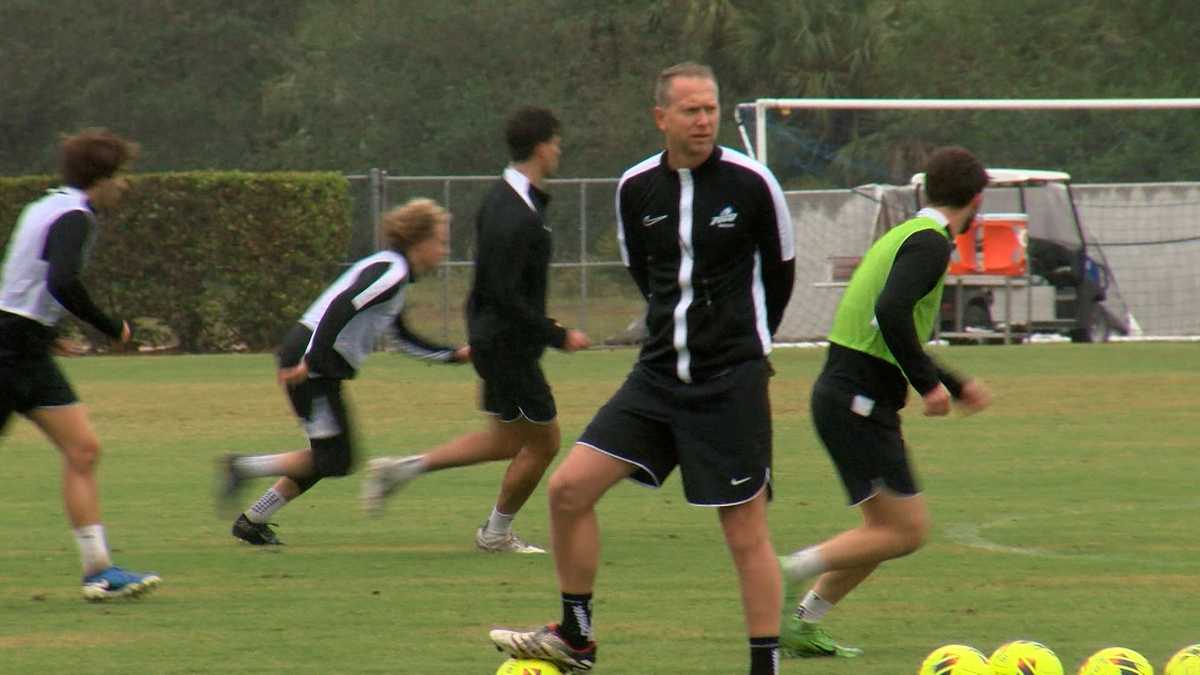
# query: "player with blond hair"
[[328, 345]]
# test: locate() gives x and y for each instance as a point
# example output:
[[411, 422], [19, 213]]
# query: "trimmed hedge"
[[225, 260]]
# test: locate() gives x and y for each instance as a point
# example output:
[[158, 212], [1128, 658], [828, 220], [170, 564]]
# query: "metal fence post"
[[445, 269], [382, 186], [583, 257], [375, 189]]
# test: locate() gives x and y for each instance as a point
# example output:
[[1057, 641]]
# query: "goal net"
[[847, 163]]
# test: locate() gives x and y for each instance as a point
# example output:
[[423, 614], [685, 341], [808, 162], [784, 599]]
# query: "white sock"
[[804, 564], [93, 548], [257, 466], [419, 463], [812, 608], [499, 523], [268, 504]]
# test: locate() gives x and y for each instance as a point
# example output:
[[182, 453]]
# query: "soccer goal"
[[1135, 184]]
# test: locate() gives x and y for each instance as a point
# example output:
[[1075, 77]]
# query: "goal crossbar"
[[763, 104]]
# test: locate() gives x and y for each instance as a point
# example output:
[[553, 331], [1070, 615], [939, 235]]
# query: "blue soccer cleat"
[[115, 582]]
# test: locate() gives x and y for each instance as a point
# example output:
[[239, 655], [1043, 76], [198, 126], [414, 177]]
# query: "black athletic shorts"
[[718, 432], [30, 383], [513, 387], [865, 444], [318, 403]]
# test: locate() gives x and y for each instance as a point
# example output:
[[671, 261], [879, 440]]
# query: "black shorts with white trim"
[[718, 432], [864, 442], [318, 403]]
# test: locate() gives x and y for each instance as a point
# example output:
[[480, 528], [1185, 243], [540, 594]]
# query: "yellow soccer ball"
[[1116, 661], [1185, 662], [955, 660], [528, 667], [1025, 657]]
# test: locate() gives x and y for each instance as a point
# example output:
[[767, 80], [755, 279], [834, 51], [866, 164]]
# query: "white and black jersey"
[[711, 249], [350, 316], [46, 256]]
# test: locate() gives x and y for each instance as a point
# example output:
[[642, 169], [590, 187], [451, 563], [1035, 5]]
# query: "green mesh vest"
[[854, 324]]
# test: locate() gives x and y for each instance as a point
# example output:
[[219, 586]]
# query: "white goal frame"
[[759, 147]]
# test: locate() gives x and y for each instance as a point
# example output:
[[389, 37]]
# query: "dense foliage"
[[418, 87], [219, 259]]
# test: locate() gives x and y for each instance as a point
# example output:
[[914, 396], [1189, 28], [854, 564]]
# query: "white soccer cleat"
[[386, 476], [503, 543], [545, 644]]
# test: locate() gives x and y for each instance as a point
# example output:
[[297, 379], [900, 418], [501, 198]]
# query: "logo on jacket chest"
[[726, 218]]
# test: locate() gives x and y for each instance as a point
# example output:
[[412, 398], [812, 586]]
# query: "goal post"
[[1135, 185], [762, 105]]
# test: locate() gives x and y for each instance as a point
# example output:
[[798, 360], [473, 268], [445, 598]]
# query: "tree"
[[184, 78], [419, 87], [1031, 49]]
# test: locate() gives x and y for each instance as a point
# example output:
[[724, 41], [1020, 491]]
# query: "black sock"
[[764, 655], [576, 626]]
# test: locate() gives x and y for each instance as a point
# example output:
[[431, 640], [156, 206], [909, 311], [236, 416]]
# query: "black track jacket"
[[506, 309], [712, 251]]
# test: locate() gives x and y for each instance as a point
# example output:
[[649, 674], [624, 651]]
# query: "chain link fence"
[[1147, 231], [589, 287]]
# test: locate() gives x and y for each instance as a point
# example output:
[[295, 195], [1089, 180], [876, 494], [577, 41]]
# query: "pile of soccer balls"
[[1023, 657]]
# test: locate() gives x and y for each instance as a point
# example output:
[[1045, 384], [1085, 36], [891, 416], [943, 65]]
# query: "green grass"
[[435, 303], [1066, 514]]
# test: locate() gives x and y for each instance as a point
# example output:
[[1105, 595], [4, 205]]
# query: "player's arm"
[[916, 270], [777, 251], [503, 242], [63, 254], [418, 347], [374, 284], [629, 241], [953, 381]]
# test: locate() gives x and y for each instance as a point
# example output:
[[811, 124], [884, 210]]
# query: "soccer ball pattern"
[[1025, 657], [528, 667], [1185, 662], [955, 660], [1116, 661]]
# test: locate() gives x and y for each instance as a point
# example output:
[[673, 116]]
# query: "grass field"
[[1067, 513]]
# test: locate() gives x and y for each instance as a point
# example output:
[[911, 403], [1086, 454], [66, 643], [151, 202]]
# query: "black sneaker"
[[258, 534], [228, 485]]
